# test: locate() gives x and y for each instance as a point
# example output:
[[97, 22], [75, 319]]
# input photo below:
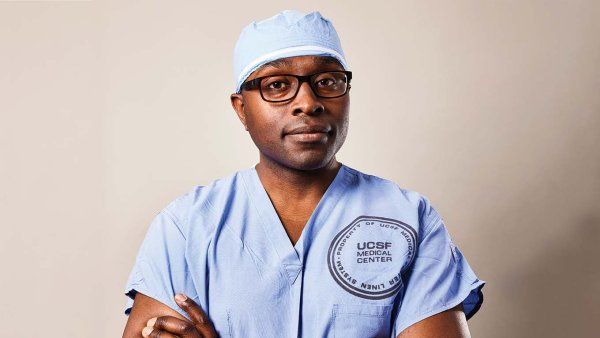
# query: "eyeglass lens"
[[284, 87]]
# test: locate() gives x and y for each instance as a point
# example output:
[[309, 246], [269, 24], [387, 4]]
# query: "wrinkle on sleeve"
[[161, 269], [440, 277]]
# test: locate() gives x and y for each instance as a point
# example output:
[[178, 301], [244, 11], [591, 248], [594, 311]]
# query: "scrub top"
[[372, 260]]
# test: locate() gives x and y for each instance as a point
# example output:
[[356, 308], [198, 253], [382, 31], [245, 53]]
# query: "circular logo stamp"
[[367, 257]]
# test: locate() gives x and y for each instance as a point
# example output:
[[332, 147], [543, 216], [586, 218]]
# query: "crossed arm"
[[169, 323], [451, 323]]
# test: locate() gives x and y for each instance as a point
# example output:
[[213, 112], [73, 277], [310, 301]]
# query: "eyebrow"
[[280, 63], [322, 61]]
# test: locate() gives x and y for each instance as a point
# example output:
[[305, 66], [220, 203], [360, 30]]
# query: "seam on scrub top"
[[448, 305], [336, 196], [262, 218], [436, 223], [175, 221], [229, 323], [352, 172], [360, 315], [142, 288], [374, 310], [427, 202], [209, 207], [417, 255], [205, 203], [246, 248], [281, 267]]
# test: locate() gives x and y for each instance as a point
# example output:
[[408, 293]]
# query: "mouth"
[[310, 133], [320, 137]]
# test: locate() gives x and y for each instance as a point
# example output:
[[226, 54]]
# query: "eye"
[[326, 82], [277, 85]]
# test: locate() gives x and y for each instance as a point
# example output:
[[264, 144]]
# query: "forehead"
[[297, 64]]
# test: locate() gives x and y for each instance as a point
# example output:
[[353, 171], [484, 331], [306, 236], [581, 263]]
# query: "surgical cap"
[[286, 34]]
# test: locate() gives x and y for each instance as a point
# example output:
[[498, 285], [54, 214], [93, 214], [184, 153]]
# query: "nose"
[[306, 101]]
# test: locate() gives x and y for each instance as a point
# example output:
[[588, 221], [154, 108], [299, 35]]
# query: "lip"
[[309, 137], [310, 129], [310, 133]]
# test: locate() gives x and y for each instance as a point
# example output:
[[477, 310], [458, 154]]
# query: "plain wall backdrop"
[[111, 109]]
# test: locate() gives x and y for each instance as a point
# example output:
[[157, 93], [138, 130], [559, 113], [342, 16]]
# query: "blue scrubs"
[[372, 260]]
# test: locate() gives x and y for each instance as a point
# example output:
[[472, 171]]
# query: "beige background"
[[109, 110]]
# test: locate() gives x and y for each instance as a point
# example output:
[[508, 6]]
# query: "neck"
[[296, 184]]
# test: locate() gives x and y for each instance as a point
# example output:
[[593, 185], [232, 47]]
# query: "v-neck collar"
[[292, 256]]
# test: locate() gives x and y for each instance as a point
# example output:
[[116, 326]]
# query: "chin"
[[310, 163]]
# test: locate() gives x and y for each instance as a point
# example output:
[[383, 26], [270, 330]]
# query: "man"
[[300, 244]]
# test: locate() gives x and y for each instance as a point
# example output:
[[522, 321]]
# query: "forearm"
[[451, 323]]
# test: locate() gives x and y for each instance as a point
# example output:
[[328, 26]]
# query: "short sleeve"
[[161, 270], [440, 277]]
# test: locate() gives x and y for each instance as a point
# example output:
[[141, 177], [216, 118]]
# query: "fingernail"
[[180, 297], [146, 331], [151, 322]]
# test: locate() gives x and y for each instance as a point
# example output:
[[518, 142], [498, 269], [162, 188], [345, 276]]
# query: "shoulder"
[[198, 207], [381, 186], [377, 188]]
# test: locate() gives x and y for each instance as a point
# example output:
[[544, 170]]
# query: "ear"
[[237, 102]]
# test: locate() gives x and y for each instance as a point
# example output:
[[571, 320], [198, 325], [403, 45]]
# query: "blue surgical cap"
[[286, 34]]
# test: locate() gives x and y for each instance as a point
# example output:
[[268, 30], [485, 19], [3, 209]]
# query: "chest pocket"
[[361, 320]]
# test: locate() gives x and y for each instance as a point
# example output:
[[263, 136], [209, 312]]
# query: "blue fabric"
[[373, 259], [286, 34]]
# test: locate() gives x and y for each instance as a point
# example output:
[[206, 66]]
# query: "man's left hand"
[[171, 327]]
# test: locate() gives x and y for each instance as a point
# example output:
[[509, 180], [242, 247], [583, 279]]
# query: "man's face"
[[271, 124]]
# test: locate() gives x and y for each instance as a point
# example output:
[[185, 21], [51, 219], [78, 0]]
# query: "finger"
[[150, 332], [182, 328], [197, 315]]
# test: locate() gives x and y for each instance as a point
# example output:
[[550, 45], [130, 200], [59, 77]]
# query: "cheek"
[[341, 117], [264, 125]]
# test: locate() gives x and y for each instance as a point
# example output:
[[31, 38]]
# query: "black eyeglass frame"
[[255, 83]]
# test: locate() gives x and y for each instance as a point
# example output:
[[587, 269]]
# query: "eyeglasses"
[[283, 87]]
